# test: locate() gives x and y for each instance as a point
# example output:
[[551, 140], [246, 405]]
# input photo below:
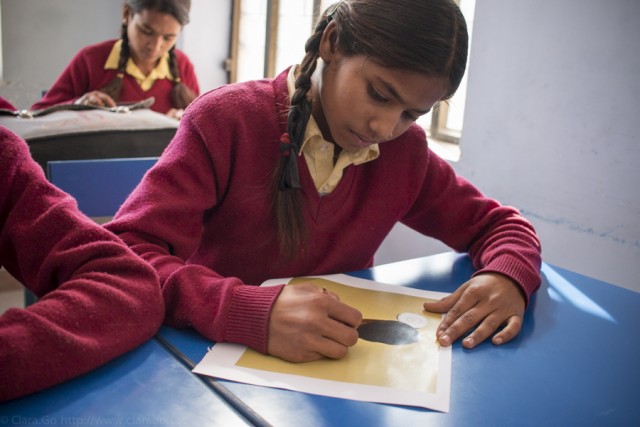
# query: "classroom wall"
[[39, 38], [550, 127]]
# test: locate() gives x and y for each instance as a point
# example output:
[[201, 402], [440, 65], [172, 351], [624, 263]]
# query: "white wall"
[[206, 40], [551, 128]]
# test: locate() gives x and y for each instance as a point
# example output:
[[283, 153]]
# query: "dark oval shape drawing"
[[387, 332]]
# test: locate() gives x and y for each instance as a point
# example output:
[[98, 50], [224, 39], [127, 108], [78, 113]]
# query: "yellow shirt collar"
[[161, 70], [326, 171]]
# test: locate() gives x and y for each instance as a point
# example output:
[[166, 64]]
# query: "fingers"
[[480, 308], [489, 326], [337, 338], [344, 314], [308, 323], [97, 98], [446, 303], [175, 113], [510, 331]]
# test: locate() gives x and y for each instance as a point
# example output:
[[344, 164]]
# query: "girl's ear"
[[329, 42]]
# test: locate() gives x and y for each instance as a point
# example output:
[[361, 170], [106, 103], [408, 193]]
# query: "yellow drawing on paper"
[[410, 362]]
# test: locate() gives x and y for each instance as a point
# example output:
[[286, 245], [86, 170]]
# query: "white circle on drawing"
[[412, 319]]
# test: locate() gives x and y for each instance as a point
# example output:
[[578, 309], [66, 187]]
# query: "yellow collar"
[[161, 70]]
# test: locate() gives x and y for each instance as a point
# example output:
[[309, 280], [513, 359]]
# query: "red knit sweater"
[[6, 105], [202, 216], [97, 299], [86, 72]]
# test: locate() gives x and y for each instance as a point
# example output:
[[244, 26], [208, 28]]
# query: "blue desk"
[[575, 363], [147, 386]]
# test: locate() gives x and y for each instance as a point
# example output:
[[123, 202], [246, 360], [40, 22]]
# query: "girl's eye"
[[145, 30], [378, 97], [410, 117], [375, 95]]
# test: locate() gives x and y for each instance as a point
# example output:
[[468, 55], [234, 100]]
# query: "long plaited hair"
[[425, 36], [181, 94]]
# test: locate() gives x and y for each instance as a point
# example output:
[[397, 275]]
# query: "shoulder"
[[91, 56], [236, 100], [97, 50], [235, 115], [104, 46], [259, 97]]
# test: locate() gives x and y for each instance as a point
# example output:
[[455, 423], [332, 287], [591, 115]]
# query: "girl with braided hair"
[[306, 174], [143, 63]]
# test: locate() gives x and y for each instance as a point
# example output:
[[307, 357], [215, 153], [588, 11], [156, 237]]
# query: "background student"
[[143, 63], [97, 299], [307, 173]]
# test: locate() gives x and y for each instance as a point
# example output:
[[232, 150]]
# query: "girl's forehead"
[[160, 21], [416, 89]]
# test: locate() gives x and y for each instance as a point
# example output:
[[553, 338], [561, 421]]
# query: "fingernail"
[[469, 341], [444, 340], [497, 341]]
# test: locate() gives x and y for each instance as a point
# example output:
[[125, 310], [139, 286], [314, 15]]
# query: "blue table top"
[[147, 386], [575, 361]]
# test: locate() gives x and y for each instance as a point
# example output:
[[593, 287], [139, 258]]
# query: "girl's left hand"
[[175, 113], [486, 302]]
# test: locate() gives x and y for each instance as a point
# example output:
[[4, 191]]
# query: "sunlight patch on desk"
[[559, 287], [412, 270]]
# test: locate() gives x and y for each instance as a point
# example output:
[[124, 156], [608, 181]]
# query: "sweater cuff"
[[248, 315], [527, 277]]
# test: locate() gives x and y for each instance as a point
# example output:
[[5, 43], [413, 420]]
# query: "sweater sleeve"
[[162, 221], [97, 299], [497, 238]]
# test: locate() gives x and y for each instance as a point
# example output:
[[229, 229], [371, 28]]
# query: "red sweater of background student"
[[6, 105], [202, 217], [97, 299], [86, 73]]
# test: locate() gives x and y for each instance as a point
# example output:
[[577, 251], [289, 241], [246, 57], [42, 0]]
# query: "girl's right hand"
[[308, 323], [97, 98]]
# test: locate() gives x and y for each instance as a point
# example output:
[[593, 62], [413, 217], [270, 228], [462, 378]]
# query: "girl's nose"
[[383, 126], [155, 44]]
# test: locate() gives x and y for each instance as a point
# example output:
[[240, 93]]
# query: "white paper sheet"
[[411, 374]]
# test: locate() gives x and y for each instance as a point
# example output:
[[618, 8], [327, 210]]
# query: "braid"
[[114, 87], [181, 94], [292, 233]]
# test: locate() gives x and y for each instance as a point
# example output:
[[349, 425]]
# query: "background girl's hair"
[[426, 36], [181, 94]]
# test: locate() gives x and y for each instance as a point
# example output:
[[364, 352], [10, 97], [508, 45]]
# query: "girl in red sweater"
[[143, 63], [307, 173]]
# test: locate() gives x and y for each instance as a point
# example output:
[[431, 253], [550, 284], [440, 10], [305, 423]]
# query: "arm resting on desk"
[[97, 299]]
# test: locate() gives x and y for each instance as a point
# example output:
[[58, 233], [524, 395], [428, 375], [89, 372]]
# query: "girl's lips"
[[361, 141]]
